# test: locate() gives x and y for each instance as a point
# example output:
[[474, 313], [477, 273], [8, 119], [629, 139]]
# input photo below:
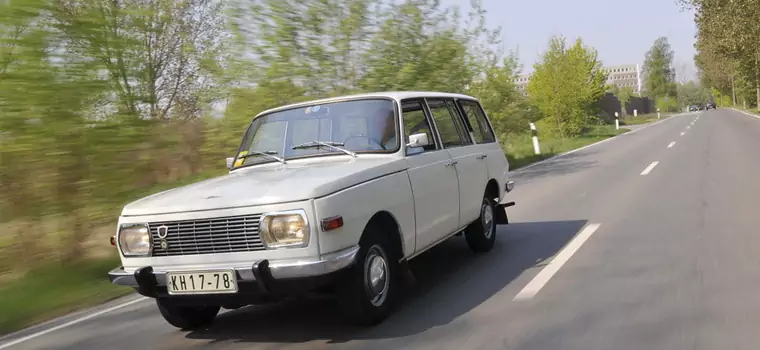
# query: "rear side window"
[[448, 128], [477, 118]]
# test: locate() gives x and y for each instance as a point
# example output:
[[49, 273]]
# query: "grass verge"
[[55, 290], [642, 119], [519, 148]]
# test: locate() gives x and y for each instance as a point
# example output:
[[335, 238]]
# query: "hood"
[[268, 184]]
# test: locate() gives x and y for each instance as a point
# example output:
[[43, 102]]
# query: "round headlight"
[[134, 240], [284, 230]]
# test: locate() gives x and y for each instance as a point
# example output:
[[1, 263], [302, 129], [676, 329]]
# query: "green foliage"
[[691, 93], [509, 110], [566, 84], [667, 104], [659, 75], [728, 53]]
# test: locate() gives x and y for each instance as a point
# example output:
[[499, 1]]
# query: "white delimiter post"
[[635, 113], [617, 122], [534, 132], [658, 113]]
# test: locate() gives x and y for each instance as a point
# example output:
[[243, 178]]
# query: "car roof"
[[396, 95]]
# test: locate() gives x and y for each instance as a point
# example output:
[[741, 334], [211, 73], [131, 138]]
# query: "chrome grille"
[[208, 236]]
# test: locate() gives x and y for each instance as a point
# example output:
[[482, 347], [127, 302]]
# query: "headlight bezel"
[[265, 235], [119, 235]]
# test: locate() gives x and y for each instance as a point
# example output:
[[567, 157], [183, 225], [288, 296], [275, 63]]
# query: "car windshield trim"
[[269, 154], [330, 144]]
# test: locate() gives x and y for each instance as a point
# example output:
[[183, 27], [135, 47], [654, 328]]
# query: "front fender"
[[358, 204]]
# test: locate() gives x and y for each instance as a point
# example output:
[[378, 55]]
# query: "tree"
[[728, 31], [566, 84], [508, 110], [691, 93], [659, 74]]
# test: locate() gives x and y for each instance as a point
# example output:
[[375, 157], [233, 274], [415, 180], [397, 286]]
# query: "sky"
[[621, 31]]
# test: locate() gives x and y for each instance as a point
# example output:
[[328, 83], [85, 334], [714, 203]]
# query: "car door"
[[471, 171], [486, 146], [433, 178]]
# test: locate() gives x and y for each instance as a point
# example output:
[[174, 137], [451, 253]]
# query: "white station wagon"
[[320, 195]]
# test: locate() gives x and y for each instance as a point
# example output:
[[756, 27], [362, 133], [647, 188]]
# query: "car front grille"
[[207, 236]]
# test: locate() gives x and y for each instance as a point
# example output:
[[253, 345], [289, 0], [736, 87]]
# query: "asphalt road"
[[607, 250]]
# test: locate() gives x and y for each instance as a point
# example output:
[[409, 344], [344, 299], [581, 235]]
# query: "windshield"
[[359, 126]]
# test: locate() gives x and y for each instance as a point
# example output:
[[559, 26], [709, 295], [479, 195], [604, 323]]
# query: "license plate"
[[201, 282]]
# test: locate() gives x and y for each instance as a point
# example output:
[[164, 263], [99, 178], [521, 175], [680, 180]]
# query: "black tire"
[[481, 234], [187, 317], [355, 294]]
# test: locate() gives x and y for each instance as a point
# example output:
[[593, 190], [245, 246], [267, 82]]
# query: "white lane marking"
[[749, 114], [538, 282], [649, 168], [688, 126], [683, 133], [671, 144], [517, 171], [71, 323]]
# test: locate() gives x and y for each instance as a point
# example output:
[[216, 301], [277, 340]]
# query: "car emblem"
[[162, 231]]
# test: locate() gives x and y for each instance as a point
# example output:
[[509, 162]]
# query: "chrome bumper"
[[262, 271]]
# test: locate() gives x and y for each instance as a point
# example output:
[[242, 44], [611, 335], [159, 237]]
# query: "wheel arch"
[[387, 222], [493, 190]]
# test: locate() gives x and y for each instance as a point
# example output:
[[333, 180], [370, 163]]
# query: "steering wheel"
[[356, 136]]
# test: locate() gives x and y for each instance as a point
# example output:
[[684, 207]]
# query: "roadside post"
[[658, 113], [534, 133], [617, 122], [635, 113]]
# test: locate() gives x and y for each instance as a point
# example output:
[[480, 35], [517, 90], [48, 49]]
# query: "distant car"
[[710, 105], [693, 108]]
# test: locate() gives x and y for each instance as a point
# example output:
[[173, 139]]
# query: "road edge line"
[[517, 171], [67, 324], [747, 113]]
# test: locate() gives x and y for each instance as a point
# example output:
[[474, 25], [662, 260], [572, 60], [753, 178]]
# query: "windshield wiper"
[[270, 154], [330, 144]]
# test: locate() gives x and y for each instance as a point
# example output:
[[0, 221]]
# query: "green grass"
[[55, 290], [519, 149], [642, 119]]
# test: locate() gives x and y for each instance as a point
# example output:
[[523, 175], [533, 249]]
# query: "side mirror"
[[418, 140], [229, 162]]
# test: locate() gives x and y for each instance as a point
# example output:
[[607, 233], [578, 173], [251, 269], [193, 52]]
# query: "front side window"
[[360, 126], [416, 122]]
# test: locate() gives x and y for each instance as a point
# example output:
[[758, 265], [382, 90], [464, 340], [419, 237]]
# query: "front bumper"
[[267, 275]]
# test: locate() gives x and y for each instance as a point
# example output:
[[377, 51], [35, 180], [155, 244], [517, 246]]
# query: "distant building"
[[625, 76], [522, 82], [620, 76]]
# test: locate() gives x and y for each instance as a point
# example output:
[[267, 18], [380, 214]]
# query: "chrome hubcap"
[[487, 215], [376, 280]]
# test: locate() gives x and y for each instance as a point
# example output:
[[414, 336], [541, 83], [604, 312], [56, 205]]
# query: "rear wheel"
[[481, 234], [368, 292], [187, 317]]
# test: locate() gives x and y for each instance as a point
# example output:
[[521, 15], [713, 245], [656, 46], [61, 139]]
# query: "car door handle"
[[452, 163], [482, 156]]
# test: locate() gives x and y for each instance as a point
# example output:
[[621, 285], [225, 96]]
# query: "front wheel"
[[368, 292], [481, 234], [187, 317]]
